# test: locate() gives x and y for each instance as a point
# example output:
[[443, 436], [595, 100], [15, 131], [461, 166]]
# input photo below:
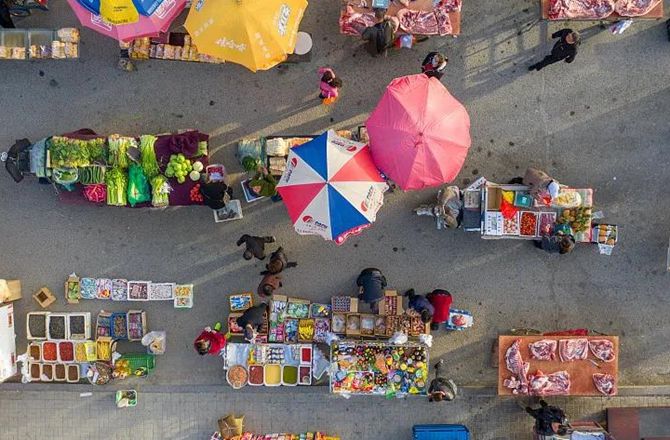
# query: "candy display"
[[241, 302], [103, 288], [291, 330], [306, 330], [377, 368], [161, 291], [138, 290]]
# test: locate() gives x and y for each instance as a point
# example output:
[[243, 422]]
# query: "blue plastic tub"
[[440, 432]]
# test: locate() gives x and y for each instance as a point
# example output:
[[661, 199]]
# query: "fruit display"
[[195, 194], [511, 225], [528, 224], [579, 219], [178, 167], [606, 234]]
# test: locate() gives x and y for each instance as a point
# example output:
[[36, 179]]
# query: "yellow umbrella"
[[118, 12], [255, 33]]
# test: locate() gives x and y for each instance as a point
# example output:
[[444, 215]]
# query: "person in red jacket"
[[210, 341], [441, 301]]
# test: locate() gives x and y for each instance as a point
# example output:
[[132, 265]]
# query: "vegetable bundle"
[[159, 191], [148, 156], [117, 186], [66, 152], [92, 175], [118, 149]]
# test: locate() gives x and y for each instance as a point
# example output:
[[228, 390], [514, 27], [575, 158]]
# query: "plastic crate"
[[440, 432], [140, 360]]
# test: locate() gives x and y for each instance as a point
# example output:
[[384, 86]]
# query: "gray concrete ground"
[[599, 122]]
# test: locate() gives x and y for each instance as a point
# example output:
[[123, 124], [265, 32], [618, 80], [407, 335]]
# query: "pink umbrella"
[[147, 26], [419, 133]]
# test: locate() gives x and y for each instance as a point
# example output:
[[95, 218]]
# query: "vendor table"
[[394, 7], [655, 13], [580, 371]]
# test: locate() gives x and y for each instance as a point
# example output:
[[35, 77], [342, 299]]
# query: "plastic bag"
[[138, 187], [253, 148], [155, 342]]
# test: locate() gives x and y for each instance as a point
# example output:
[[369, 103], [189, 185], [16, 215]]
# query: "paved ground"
[[599, 122]]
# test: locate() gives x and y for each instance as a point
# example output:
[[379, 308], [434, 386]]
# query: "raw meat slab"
[[581, 372], [655, 13]]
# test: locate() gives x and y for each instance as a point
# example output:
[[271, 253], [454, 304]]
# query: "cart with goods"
[[116, 170]]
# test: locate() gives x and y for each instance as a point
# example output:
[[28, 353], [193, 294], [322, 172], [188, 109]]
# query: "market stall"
[[609, 10], [558, 365], [67, 347], [120, 170], [173, 46], [419, 17], [376, 368], [39, 44]]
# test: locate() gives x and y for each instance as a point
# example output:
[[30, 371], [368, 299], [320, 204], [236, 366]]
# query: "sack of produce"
[[138, 187]]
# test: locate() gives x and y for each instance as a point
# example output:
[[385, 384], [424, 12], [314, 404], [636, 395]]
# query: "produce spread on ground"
[[558, 365], [126, 171]]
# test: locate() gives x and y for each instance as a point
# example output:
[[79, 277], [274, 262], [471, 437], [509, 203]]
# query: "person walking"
[[210, 341], [252, 320], [379, 37], [549, 419], [268, 285], [329, 85], [441, 302], [421, 305], [255, 246], [564, 49], [371, 284], [434, 65], [441, 388], [278, 262], [543, 187], [5, 16]]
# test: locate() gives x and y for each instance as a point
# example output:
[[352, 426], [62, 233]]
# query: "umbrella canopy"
[[255, 33], [140, 18], [331, 187], [419, 133]]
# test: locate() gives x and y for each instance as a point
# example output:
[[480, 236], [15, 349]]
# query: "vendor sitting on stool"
[[210, 341], [441, 301], [251, 320], [371, 284], [215, 193], [421, 305], [263, 184], [542, 187]]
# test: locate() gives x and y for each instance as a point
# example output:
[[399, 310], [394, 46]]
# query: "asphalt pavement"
[[600, 122]]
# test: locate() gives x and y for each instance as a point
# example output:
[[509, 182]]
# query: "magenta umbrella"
[[146, 26], [419, 133]]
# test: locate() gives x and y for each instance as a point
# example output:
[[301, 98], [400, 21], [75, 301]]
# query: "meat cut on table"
[[354, 23], [543, 350], [635, 8], [573, 349], [418, 22], [605, 383], [518, 383], [552, 384], [580, 9], [603, 349]]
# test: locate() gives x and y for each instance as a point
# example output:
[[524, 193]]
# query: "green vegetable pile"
[[91, 175], [118, 149], [178, 167], [66, 152], [148, 156], [159, 191], [117, 187]]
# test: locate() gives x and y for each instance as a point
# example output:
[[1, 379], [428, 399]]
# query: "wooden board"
[[417, 5], [581, 372], [654, 14]]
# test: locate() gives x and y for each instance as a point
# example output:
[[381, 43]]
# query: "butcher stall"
[[418, 17], [595, 10], [558, 365]]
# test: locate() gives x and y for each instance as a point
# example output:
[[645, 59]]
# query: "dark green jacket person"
[[263, 184]]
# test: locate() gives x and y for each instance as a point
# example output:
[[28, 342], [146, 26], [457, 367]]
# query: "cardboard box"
[[137, 326], [73, 294], [298, 308], [380, 325], [392, 324], [306, 330], [368, 325], [493, 198], [10, 290], [353, 324], [391, 304], [339, 323], [241, 301], [44, 297], [344, 304]]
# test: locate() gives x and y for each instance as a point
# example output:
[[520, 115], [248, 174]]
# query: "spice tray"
[[58, 326], [38, 321], [80, 325]]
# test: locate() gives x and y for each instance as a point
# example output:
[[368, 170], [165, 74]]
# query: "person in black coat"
[[5, 16], [421, 305], [255, 246], [564, 49], [252, 319], [434, 65], [549, 419], [216, 194], [371, 284]]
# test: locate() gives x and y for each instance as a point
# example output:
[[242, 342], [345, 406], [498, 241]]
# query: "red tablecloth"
[[165, 146]]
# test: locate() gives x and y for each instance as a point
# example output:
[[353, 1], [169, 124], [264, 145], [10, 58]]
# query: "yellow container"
[[91, 351]]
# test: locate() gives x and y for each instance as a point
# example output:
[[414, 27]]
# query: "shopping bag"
[[119, 11]]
